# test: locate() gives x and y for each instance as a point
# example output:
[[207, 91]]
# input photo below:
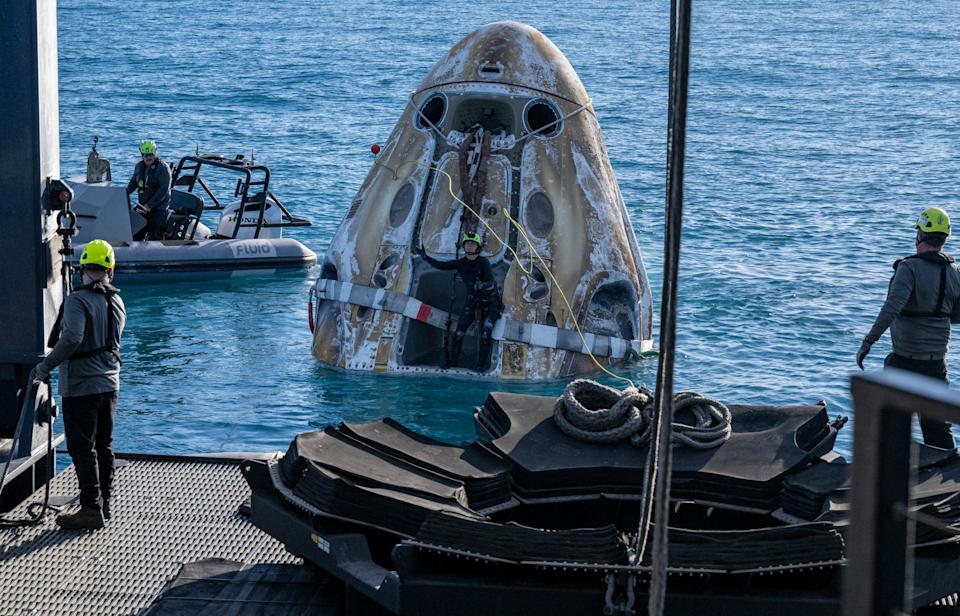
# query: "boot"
[[106, 509], [483, 358], [88, 518], [455, 346]]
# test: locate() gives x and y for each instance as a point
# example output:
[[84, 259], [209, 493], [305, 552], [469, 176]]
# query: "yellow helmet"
[[472, 237], [934, 220], [98, 253]]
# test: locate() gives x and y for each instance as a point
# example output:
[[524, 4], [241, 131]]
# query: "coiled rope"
[[593, 412]]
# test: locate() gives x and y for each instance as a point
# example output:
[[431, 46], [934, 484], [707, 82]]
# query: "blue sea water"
[[817, 131]]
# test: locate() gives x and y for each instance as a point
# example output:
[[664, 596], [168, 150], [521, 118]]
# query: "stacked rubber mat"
[[450, 497], [515, 542], [822, 493], [717, 551], [367, 474], [757, 549], [485, 477], [745, 472]]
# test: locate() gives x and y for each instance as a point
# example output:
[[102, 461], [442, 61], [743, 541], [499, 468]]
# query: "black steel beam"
[[29, 155], [879, 573], [344, 555], [660, 461]]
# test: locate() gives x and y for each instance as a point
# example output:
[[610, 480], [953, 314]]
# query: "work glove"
[[862, 353], [41, 372]]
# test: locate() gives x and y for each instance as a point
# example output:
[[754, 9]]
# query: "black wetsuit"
[[153, 192], [483, 296]]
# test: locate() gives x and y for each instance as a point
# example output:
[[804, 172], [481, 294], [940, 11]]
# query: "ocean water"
[[817, 132]]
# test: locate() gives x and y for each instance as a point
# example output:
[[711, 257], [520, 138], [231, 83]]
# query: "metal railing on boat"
[[879, 563]]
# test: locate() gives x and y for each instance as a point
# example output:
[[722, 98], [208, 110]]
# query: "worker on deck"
[[922, 301], [483, 298], [151, 180], [86, 347]]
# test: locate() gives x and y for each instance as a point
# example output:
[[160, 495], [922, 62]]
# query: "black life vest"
[[945, 262], [112, 345]]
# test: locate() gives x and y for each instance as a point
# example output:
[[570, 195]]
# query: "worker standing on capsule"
[[483, 298], [500, 139]]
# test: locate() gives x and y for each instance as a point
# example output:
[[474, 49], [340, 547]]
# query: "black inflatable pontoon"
[[527, 519]]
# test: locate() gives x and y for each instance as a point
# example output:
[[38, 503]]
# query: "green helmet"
[[933, 220], [98, 253], [472, 237], [148, 146]]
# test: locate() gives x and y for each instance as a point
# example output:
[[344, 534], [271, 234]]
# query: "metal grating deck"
[[168, 511]]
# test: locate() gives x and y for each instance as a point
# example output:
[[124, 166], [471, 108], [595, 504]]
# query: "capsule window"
[[538, 215], [328, 271], [402, 202], [613, 310], [432, 111], [391, 261], [542, 117], [384, 274], [537, 275], [536, 288]]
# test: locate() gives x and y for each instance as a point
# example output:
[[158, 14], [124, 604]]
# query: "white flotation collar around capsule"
[[505, 330]]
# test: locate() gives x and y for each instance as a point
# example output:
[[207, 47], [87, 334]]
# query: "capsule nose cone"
[[508, 53]]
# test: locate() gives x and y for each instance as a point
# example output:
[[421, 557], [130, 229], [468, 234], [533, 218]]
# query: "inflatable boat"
[[248, 237], [499, 140], [528, 519]]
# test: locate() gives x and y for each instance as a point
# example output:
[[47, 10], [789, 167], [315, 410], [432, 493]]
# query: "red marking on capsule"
[[63, 196], [375, 149]]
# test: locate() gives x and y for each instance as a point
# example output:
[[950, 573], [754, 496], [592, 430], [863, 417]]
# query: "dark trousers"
[[935, 433], [88, 425], [488, 318], [157, 223]]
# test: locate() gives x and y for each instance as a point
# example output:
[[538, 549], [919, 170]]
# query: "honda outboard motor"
[[270, 228]]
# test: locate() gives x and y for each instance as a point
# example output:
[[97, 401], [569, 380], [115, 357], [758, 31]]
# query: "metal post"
[[880, 564], [881, 476], [676, 141], [29, 156]]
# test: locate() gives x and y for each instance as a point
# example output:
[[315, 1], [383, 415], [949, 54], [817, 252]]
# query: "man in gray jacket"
[[922, 301], [151, 180], [87, 350]]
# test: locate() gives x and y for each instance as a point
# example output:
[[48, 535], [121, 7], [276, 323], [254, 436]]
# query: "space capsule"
[[499, 140]]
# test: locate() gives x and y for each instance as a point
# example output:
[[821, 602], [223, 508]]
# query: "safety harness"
[[944, 261], [112, 345]]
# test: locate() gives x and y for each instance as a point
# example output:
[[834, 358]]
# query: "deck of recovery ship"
[[179, 542]]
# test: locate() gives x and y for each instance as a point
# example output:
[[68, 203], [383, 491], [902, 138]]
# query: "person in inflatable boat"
[[151, 180]]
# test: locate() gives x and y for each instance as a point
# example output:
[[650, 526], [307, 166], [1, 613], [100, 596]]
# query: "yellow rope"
[[533, 251]]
